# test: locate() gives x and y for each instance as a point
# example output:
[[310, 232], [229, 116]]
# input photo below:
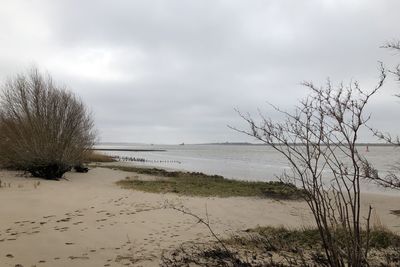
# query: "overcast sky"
[[173, 71]]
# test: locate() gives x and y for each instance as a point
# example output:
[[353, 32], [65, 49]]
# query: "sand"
[[88, 220]]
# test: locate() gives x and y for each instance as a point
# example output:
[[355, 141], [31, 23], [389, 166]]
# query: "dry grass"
[[93, 156]]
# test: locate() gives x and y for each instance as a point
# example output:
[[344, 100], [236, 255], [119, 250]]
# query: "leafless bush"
[[44, 129], [319, 141]]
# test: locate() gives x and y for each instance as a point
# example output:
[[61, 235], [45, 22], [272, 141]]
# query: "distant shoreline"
[[226, 143], [296, 144]]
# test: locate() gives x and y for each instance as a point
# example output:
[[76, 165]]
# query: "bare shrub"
[[44, 129], [319, 140]]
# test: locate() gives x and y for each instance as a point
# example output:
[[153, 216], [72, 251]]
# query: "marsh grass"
[[92, 156], [200, 184]]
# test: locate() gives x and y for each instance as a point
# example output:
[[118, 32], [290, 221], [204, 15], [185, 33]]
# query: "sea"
[[243, 162]]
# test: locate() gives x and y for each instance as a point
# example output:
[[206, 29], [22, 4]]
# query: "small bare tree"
[[44, 129], [319, 140]]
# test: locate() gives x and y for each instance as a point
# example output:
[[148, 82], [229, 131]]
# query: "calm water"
[[244, 162]]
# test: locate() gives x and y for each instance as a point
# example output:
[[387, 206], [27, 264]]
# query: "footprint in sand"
[[63, 229], [64, 220], [78, 257], [10, 256]]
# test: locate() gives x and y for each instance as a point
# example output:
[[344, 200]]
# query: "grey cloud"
[[172, 71]]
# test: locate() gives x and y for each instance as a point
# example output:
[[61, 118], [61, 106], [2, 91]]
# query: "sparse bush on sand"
[[44, 129]]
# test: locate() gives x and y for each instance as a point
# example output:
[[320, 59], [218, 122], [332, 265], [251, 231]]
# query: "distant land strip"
[[298, 144], [129, 149]]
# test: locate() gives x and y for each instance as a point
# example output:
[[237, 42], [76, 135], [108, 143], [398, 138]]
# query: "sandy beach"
[[88, 220]]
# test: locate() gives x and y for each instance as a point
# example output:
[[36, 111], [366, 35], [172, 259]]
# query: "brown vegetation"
[[93, 156], [44, 129]]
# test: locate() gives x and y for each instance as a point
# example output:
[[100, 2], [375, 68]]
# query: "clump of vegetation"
[[44, 129], [279, 246], [92, 156], [309, 237], [200, 184]]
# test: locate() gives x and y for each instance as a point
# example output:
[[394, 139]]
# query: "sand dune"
[[87, 220]]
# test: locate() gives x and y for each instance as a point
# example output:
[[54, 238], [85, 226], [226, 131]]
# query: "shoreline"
[[252, 163], [372, 188], [88, 220]]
